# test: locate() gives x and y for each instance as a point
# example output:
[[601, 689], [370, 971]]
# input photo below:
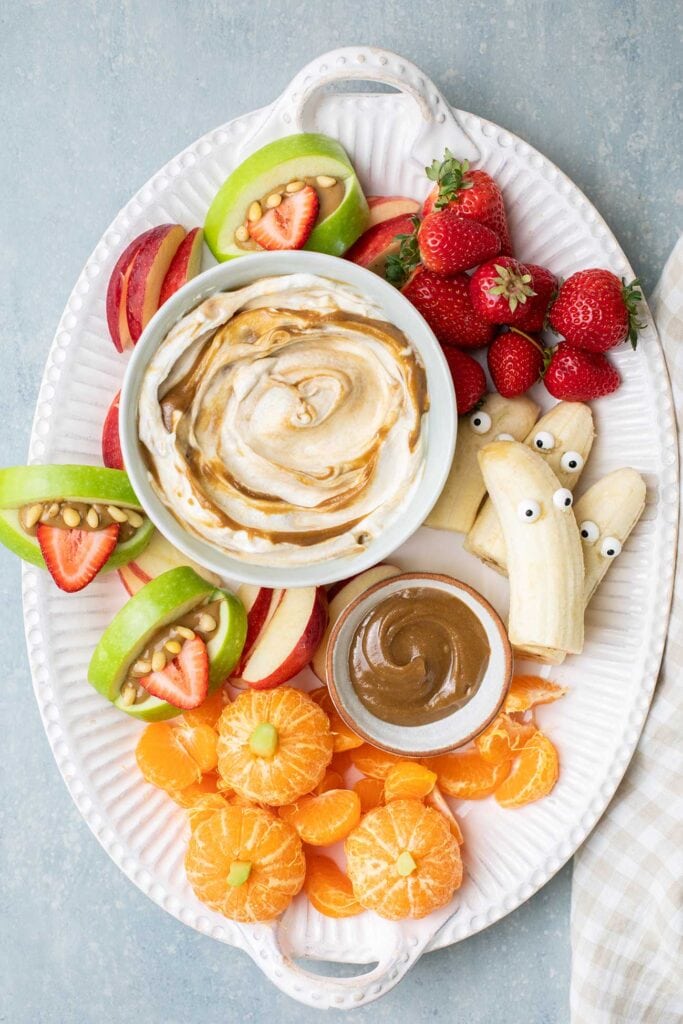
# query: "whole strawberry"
[[594, 310], [474, 194], [536, 307], [469, 379], [576, 375], [500, 290], [446, 306], [515, 362], [449, 243]]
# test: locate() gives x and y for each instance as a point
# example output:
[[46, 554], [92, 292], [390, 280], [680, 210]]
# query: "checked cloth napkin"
[[627, 893]]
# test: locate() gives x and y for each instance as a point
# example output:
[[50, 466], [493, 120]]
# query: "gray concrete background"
[[94, 98]]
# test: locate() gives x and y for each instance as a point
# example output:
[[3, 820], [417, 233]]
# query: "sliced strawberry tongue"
[[289, 224], [516, 288], [184, 682], [74, 557]]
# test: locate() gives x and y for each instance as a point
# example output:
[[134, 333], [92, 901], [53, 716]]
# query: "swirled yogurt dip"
[[283, 422]]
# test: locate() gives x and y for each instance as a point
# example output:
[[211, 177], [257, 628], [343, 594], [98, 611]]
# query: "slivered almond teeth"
[[185, 632], [52, 511], [325, 181], [33, 515], [158, 661], [117, 514], [92, 519], [142, 668], [206, 623], [273, 200], [135, 519], [173, 646], [128, 694], [254, 212], [242, 234], [71, 517], [295, 186]]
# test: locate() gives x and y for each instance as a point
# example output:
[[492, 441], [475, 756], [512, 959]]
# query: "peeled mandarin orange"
[[371, 793], [274, 745], [438, 801], [499, 741], [164, 760], [467, 775], [324, 819], [208, 712], [246, 863], [207, 785], [527, 691], [328, 888], [341, 762], [331, 780], [372, 761], [344, 737], [408, 780], [204, 807], [533, 774], [200, 741], [403, 861]]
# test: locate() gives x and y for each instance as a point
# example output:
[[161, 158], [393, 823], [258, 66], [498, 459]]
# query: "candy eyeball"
[[544, 441], [610, 547], [480, 422], [504, 437], [571, 462], [589, 531], [529, 511], [563, 498]]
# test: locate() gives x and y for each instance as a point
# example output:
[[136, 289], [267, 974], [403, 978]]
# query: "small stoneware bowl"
[[439, 423], [456, 729]]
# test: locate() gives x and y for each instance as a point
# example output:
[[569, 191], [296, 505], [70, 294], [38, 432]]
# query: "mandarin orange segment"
[[403, 861], [301, 747], [467, 775], [332, 780], [344, 737], [324, 819], [207, 785], [533, 775], [200, 741], [499, 741], [408, 780], [372, 761], [208, 712], [438, 801], [371, 793], [246, 863], [527, 691], [163, 760], [341, 762], [204, 808], [328, 888]]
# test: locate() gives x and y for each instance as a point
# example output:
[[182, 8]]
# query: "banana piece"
[[606, 515], [563, 438], [464, 490], [545, 562]]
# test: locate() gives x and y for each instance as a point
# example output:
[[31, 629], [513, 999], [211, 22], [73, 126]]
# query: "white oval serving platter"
[[508, 854]]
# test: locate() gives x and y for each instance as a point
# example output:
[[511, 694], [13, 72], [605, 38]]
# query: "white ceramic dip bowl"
[[462, 724], [439, 423]]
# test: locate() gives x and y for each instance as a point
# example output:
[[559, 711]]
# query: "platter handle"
[[437, 127], [401, 945]]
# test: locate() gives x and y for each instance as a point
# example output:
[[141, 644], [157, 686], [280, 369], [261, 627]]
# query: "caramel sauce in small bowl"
[[419, 664]]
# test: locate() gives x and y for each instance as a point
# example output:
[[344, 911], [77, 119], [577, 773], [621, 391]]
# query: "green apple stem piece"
[[405, 864], [239, 872], [295, 157], [264, 740]]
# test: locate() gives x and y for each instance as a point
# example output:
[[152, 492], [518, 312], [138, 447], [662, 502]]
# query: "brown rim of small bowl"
[[442, 578]]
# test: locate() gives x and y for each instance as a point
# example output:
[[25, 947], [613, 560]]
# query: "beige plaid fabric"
[[627, 896]]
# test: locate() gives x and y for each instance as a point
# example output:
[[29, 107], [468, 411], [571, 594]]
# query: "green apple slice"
[[160, 603], [307, 155], [25, 485]]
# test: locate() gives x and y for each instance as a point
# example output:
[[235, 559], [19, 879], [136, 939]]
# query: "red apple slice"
[[342, 598], [111, 442], [117, 290], [131, 581], [149, 268], [377, 243], [185, 265], [257, 602], [385, 207], [160, 556], [289, 640]]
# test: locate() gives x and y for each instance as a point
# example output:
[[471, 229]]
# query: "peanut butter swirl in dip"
[[283, 422], [418, 655]]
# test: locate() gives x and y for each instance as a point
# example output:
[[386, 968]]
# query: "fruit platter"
[[348, 528]]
